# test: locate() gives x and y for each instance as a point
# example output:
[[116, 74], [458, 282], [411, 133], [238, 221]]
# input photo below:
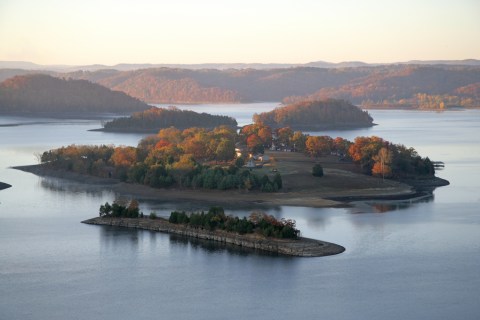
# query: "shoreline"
[[314, 197], [301, 247]]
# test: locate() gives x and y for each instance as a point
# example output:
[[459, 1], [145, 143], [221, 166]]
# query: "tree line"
[[258, 222], [195, 158], [374, 155]]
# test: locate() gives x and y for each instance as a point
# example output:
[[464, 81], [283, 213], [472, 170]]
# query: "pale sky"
[[108, 32]]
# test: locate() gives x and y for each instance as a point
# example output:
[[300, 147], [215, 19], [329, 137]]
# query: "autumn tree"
[[124, 156], [255, 144], [341, 146], [316, 146], [225, 150], [284, 136], [382, 163], [364, 149], [298, 141]]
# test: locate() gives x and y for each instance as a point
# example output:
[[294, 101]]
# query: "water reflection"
[[383, 206], [119, 238], [65, 186], [214, 247]]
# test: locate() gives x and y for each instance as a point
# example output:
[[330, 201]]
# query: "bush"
[[317, 170], [152, 215]]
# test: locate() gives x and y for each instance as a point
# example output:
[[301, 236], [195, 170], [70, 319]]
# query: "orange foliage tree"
[[124, 156]]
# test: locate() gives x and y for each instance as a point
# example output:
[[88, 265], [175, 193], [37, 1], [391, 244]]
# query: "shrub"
[[317, 170]]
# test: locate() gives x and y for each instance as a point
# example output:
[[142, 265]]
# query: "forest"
[[154, 119], [314, 115], [412, 86], [385, 86], [39, 93]]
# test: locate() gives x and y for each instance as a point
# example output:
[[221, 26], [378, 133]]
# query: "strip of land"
[[340, 184], [301, 247]]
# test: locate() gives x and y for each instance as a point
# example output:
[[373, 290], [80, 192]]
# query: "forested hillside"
[[41, 93], [387, 86], [417, 87], [404, 86]]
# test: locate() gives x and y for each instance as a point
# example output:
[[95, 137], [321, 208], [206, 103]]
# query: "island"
[[155, 119], [203, 165], [259, 231], [316, 115], [46, 96]]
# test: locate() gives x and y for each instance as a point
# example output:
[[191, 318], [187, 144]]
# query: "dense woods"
[[39, 93], [311, 115], [193, 158], [154, 119]]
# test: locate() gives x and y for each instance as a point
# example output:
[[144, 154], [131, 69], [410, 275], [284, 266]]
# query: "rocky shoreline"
[[302, 247]]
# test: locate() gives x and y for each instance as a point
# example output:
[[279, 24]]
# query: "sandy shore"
[[307, 197]]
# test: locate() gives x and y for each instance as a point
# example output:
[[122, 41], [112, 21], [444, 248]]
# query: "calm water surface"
[[403, 261]]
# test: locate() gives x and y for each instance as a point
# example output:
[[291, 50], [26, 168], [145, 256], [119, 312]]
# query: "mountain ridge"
[[27, 65]]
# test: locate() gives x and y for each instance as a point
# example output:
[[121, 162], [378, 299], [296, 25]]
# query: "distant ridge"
[[25, 65]]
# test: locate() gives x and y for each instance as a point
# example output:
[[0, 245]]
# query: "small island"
[[259, 231], [155, 119], [316, 115]]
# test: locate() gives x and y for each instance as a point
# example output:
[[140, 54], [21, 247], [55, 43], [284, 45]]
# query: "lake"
[[402, 261]]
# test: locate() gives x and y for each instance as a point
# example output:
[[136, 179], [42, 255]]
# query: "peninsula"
[[340, 184], [259, 231]]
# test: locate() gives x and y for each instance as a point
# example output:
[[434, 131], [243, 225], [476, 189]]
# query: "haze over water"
[[403, 261]]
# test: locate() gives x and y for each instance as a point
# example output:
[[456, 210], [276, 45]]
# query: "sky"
[[222, 31]]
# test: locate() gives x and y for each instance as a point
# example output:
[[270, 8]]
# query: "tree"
[[225, 150], [382, 163], [124, 156], [317, 170], [254, 143], [265, 134], [363, 149], [284, 136], [298, 140]]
